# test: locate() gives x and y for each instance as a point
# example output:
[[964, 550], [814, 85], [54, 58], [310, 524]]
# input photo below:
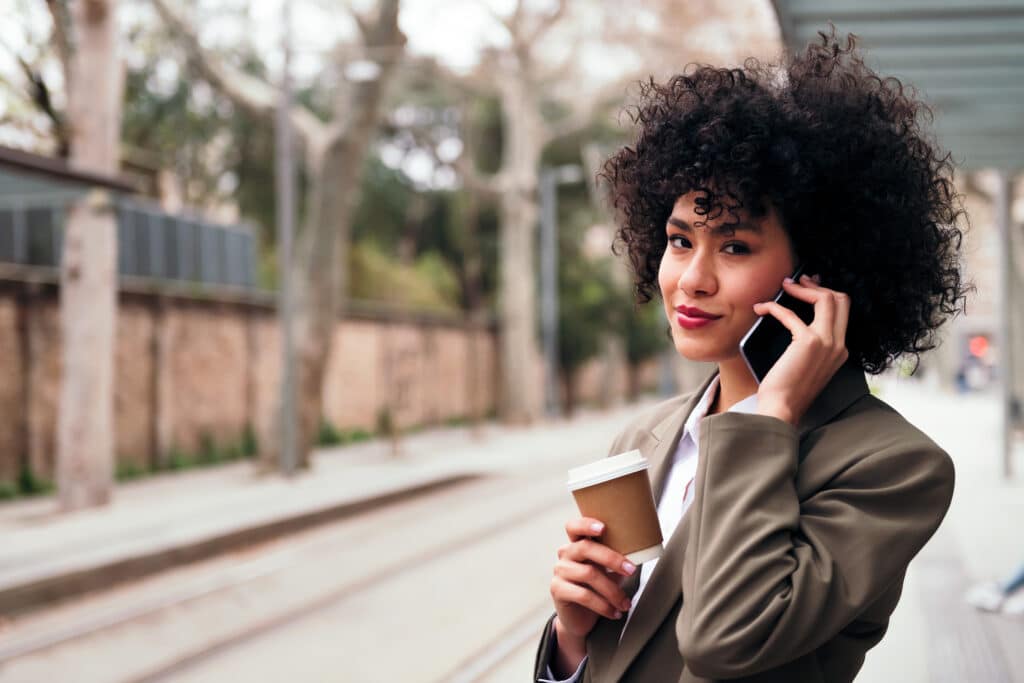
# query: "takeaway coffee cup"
[[617, 491]]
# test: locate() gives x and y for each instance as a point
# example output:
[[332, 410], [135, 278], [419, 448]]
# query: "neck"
[[735, 383]]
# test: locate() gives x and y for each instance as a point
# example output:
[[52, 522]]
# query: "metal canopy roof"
[[966, 58]]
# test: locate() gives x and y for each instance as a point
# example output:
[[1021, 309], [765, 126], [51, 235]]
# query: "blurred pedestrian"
[[999, 596]]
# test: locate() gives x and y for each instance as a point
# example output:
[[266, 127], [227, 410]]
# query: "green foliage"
[[31, 485], [644, 330], [328, 434], [8, 489], [428, 284], [126, 470], [586, 312], [179, 460], [212, 452], [385, 421], [357, 435], [457, 421], [209, 453], [380, 215], [250, 445], [432, 267]]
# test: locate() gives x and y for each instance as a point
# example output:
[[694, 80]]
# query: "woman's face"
[[722, 274]]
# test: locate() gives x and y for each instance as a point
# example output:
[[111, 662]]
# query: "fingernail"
[[628, 567], [618, 615], [597, 527], [789, 280]]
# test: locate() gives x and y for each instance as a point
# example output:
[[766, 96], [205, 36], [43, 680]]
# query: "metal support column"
[[549, 287], [1003, 219], [285, 226]]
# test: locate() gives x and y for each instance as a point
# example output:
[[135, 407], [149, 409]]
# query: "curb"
[[46, 590]]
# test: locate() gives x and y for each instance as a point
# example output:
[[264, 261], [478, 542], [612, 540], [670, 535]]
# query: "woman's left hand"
[[817, 351]]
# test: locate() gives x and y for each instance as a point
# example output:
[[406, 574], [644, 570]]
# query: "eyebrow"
[[727, 229]]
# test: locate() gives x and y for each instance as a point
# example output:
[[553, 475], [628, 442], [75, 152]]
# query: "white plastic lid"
[[606, 469]]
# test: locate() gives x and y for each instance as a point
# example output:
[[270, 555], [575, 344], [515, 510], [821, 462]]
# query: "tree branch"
[[583, 113], [509, 23], [546, 22], [489, 186], [247, 92], [384, 43], [39, 93], [61, 22], [361, 23], [554, 76]]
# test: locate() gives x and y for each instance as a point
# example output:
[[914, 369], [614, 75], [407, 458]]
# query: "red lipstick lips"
[[692, 318]]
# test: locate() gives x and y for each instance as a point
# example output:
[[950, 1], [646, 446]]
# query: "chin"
[[702, 351]]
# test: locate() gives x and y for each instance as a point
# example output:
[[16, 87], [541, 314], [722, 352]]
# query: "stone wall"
[[191, 370]]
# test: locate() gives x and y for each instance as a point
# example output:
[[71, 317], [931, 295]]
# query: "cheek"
[[666, 279], [765, 283]]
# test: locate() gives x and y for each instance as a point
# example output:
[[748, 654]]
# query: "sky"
[[452, 31]]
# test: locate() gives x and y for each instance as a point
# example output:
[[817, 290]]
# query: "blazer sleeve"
[[547, 644], [545, 652], [769, 578], [545, 649]]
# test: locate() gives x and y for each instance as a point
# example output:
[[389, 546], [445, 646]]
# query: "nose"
[[698, 277]]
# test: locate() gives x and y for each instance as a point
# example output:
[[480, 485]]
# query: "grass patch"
[[26, 485], [330, 434], [8, 489]]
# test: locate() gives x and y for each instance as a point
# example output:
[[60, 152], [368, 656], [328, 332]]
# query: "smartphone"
[[768, 339]]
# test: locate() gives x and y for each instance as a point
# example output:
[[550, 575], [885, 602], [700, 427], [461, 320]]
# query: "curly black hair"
[[844, 156]]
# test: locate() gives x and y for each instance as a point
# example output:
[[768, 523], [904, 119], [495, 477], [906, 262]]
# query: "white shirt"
[[675, 498]]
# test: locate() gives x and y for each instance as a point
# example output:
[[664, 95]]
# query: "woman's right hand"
[[587, 580]]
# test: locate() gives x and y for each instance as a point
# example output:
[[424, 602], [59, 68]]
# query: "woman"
[[790, 508]]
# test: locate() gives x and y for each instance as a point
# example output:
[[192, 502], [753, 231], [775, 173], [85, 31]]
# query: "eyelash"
[[744, 248]]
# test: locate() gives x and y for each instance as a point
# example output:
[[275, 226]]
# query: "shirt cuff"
[[549, 675]]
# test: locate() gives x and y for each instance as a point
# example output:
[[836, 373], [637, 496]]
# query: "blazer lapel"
[[608, 658], [611, 658]]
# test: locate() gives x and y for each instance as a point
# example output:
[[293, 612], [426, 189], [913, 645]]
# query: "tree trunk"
[[88, 291], [336, 152], [320, 272], [320, 264], [633, 375], [568, 378], [475, 314], [521, 390]]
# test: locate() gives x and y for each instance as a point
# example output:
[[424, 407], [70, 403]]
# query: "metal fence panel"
[[151, 243], [7, 236]]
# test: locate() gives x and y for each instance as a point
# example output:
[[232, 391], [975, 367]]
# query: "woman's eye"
[[737, 248], [678, 241]]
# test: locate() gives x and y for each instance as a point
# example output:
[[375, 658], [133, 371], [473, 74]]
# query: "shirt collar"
[[747, 405]]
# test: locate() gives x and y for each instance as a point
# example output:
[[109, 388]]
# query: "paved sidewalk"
[[934, 636], [177, 518]]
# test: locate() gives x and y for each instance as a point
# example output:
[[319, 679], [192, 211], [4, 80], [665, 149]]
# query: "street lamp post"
[[285, 229]]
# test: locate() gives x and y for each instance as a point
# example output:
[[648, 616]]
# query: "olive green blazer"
[[792, 555]]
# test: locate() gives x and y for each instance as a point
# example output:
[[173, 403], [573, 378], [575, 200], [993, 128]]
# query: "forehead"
[[684, 216]]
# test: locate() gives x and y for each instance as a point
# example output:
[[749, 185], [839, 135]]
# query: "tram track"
[[330, 600], [222, 580]]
